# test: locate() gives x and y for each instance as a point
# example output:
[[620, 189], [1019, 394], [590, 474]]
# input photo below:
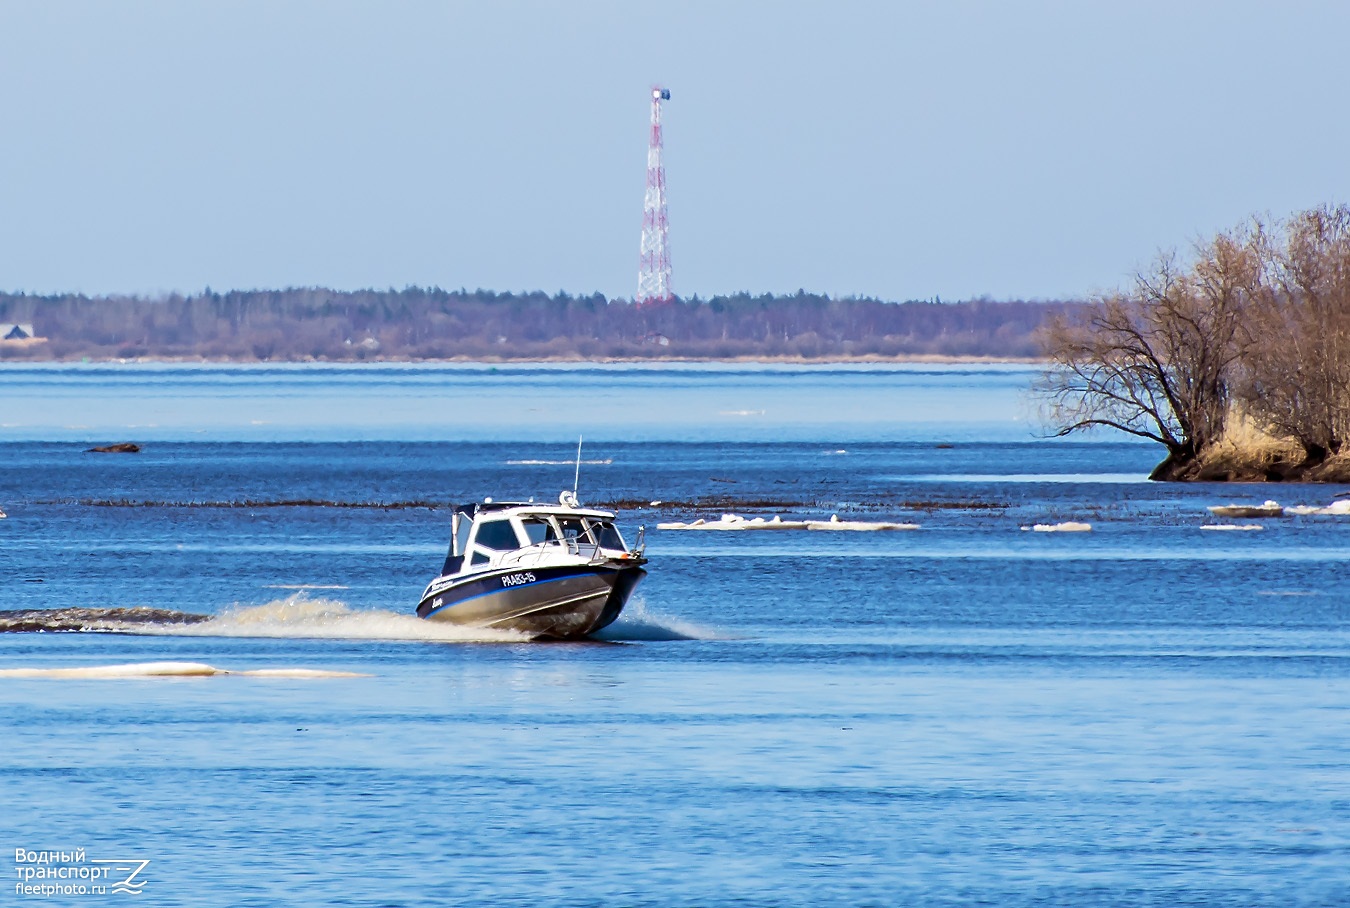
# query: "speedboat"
[[557, 571]]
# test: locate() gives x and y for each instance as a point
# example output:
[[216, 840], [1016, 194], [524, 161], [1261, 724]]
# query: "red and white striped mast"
[[654, 257]]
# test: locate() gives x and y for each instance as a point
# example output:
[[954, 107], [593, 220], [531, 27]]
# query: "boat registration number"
[[517, 579]]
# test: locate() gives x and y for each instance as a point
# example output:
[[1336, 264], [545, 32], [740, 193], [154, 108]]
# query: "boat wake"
[[638, 623], [295, 616], [302, 617]]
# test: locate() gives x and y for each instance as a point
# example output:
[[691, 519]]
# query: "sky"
[[900, 150]]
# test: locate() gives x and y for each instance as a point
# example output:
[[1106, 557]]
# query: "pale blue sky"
[[900, 150]]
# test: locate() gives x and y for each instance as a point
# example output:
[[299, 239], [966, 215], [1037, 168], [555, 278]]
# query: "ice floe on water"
[[737, 522], [171, 670], [834, 523], [1269, 508], [1340, 508], [1266, 509], [1068, 526]]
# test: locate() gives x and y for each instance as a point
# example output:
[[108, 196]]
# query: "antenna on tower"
[[654, 257]]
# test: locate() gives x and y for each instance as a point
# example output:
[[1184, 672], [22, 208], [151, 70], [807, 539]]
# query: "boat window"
[[607, 534], [497, 534], [538, 529], [459, 532], [479, 558], [573, 528]]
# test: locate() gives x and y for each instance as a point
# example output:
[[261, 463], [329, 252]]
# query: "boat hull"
[[565, 602]]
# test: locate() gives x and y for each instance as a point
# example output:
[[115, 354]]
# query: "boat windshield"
[[607, 535], [538, 529], [574, 528]]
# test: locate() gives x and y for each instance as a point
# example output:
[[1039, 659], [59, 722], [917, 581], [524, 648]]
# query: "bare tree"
[[1297, 365], [1159, 362]]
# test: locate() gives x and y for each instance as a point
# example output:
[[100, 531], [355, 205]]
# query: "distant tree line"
[[1237, 362], [432, 324]]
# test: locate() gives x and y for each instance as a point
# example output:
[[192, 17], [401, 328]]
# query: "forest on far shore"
[[302, 324]]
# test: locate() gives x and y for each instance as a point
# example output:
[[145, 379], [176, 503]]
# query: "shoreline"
[[914, 359]]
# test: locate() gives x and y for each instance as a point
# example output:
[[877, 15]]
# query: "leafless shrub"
[[1296, 367], [1159, 362]]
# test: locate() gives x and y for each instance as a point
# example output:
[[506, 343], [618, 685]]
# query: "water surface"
[[970, 713]]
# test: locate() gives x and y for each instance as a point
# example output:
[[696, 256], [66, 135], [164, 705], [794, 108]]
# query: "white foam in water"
[[637, 622], [1232, 526], [169, 670], [300, 616]]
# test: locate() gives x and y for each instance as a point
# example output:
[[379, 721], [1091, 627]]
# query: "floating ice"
[[170, 670], [1068, 526], [737, 522], [1339, 508], [1268, 509], [834, 523]]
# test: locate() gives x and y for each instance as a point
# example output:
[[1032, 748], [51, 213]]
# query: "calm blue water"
[[967, 714]]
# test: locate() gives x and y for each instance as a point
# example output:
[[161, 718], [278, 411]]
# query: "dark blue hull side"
[[557, 602]]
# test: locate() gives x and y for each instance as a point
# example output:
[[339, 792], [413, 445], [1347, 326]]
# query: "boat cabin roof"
[[522, 508]]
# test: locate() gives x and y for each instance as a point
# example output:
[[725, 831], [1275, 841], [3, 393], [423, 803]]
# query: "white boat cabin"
[[490, 535]]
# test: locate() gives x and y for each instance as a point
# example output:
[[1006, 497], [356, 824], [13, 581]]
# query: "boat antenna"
[[576, 478]]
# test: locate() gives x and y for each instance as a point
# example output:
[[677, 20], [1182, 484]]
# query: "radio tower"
[[654, 258]]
